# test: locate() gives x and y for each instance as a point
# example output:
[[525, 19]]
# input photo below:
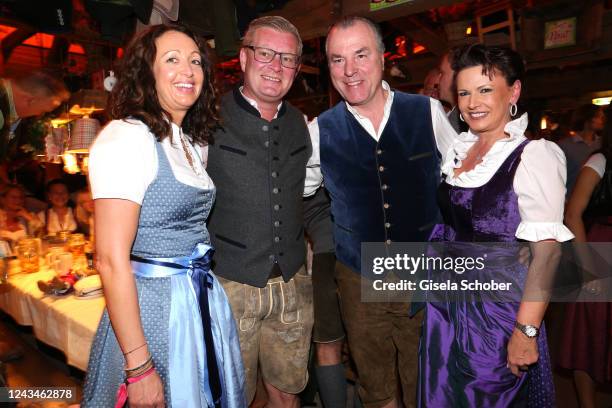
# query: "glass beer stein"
[[28, 253]]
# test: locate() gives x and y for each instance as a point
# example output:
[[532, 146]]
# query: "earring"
[[513, 109], [461, 118]]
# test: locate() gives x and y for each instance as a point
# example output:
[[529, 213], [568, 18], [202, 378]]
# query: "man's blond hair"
[[277, 23]]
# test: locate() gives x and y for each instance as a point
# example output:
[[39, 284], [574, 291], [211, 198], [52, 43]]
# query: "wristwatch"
[[528, 330]]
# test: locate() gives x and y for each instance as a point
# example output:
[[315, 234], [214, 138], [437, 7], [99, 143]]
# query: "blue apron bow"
[[197, 266]]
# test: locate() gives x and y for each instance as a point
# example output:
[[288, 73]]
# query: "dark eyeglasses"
[[266, 55]]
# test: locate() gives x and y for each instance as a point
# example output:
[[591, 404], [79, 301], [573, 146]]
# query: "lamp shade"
[[87, 101], [83, 134]]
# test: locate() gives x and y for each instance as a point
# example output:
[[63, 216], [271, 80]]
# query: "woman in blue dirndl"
[[168, 336]]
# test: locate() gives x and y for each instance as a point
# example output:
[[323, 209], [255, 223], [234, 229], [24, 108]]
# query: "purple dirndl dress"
[[463, 349]]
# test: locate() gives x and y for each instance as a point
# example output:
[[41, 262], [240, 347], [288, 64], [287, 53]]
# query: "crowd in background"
[[24, 216]]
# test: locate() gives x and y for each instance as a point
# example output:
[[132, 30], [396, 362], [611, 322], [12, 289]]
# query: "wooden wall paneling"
[[571, 82], [312, 18], [589, 31], [424, 35], [592, 24], [362, 8]]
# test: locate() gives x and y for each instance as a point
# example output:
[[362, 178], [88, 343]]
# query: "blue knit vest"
[[385, 191]]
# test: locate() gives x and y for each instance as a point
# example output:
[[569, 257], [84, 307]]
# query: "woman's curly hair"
[[135, 95]]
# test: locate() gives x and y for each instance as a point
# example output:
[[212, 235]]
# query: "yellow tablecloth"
[[67, 323]]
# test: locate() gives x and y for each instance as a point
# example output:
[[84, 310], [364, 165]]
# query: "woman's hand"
[[25, 214], [147, 393], [522, 352]]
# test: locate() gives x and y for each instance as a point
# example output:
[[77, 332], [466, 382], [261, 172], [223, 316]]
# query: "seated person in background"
[[15, 221], [431, 84], [84, 212], [58, 217]]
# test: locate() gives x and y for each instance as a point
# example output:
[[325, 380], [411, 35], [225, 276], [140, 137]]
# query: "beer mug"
[[60, 261], [76, 245], [63, 236], [51, 256], [28, 253]]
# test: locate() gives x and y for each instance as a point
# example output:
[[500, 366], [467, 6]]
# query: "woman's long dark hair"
[[135, 95]]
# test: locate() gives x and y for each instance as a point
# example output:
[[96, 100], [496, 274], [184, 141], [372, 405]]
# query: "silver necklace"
[[480, 154]]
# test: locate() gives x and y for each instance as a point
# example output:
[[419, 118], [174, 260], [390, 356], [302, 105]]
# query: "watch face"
[[531, 331]]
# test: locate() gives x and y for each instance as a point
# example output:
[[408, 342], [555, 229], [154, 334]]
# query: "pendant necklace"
[[480, 154], [187, 152]]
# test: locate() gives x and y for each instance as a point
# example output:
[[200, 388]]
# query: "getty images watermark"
[[435, 264], [499, 272]]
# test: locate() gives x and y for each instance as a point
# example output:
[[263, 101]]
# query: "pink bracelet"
[[122, 392]]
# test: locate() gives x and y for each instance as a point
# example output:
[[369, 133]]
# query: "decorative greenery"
[[33, 136]]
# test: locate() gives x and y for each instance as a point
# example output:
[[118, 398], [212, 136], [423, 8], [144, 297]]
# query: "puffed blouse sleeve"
[[597, 162], [539, 183], [122, 161]]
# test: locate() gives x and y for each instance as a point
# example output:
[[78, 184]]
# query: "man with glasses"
[[258, 161]]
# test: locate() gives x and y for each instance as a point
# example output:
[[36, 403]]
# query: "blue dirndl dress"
[[171, 262]]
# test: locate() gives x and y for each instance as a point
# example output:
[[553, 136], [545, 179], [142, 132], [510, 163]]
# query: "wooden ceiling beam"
[[362, 8], [421, 33], [14, 39], [59, 51], [311, 18]]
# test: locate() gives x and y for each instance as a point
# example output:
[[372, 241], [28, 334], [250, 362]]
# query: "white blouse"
[[53, 225], [598, 163], [123, 161], [539, 181]]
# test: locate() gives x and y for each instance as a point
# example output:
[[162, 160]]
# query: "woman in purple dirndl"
[[499, 188]]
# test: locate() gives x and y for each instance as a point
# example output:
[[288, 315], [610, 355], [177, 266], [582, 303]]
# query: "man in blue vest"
[[379, 159]]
